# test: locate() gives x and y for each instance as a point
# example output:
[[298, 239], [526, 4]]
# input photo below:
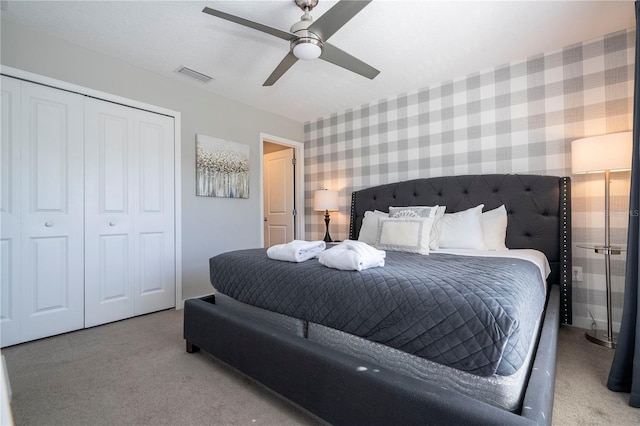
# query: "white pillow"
[[436, 229], [463, 229], [494, 228], [413, 211], [408, 234], [369, 228], [437, 212]]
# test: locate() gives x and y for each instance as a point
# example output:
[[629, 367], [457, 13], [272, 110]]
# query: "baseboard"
[[586, 323]]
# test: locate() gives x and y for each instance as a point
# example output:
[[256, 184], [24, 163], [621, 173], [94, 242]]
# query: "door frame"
[[298, 148], [177, 153]]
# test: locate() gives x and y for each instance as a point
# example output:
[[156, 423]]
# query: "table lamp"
[[603, 154], [326, 200]]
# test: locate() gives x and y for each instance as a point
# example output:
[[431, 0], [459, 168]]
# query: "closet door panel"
[[110, 290], [10, 213], [151, 258], [48, 257], [111, 192], [155, 286], [52, 239], [9, 294]]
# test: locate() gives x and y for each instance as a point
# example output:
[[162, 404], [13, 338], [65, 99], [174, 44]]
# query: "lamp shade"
[[599, 153], [325, 199]]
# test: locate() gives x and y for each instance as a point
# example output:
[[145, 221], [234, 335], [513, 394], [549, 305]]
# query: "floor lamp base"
[[599, 337]]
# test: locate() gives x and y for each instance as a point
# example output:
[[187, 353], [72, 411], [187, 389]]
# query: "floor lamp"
[[326, 200], [603, 154]]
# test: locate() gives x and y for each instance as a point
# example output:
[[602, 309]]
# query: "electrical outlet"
[[576, 272]]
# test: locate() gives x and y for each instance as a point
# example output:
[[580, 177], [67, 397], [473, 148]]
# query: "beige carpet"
[[136, 372], [582, 397]]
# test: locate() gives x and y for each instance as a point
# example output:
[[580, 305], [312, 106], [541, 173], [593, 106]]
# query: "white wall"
[[209, 225]]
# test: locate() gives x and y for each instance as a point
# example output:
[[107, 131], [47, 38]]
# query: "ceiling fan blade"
[[338, 57], [285, 35], [333, 19], [282, 67]]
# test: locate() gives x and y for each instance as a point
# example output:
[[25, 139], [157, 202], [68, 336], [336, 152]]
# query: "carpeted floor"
[[136, 372], [581, 396]]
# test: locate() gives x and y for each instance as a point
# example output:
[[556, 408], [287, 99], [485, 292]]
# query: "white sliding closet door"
[[52, 225], [129, 213]]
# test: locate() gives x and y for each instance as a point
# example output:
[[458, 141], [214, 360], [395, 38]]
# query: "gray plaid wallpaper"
[[515, 118]]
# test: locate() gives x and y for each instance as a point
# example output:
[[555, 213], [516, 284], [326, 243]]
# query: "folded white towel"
[[352, 256], [296, 250]]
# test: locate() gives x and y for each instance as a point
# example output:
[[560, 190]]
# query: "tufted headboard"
[[538, 209]]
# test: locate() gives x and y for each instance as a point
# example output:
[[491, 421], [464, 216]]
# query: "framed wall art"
[[222, 168]]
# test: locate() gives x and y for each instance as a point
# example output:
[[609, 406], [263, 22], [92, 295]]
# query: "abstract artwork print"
[[222, 168]]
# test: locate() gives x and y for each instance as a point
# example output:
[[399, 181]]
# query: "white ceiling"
[[414, 44]]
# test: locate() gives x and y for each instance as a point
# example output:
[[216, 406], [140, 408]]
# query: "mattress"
[[505, 392], [472, 313]]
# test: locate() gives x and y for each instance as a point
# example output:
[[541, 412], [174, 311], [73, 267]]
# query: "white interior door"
[[130, 242], [278, 197], [52, 179], [10, 213]]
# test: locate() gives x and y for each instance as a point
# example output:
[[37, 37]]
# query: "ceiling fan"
[[308, 38]]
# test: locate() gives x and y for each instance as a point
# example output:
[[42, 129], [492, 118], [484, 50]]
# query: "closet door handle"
[[112, 224], [48, 224]]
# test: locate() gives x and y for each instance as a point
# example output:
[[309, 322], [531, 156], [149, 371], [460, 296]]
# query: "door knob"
[[48, 224], [265, 219], [112, 224]]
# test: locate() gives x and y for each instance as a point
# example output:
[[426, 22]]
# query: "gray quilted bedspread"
[[476, 314]]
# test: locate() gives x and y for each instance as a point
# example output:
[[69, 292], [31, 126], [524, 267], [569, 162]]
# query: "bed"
[[354, 371]]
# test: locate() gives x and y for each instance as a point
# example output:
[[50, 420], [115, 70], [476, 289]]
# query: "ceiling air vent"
[[194, 74]]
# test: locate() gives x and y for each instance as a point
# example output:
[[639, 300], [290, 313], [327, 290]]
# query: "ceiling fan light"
[[307, 48]]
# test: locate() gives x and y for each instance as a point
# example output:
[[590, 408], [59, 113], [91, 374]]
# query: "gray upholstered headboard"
[[538, 209]]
